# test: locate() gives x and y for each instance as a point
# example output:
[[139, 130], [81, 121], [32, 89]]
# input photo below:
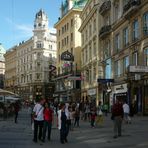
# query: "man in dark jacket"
[[117, 113], [16, 110]]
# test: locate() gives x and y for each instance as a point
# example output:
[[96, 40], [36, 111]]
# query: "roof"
[[2, 52]]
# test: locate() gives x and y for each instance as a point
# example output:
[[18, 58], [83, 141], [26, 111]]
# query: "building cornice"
[[67, 15], [93, 10]]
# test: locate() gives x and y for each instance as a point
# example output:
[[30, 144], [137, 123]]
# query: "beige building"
[[90, 55], [124, 43], [10, 70], [116, 32], [33, 60], [69, 50], [2, 65]]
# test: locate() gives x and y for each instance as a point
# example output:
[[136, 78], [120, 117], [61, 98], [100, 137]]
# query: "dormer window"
[[39, 24]]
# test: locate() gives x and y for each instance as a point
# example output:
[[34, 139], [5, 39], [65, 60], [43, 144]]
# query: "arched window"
[[145, 23]]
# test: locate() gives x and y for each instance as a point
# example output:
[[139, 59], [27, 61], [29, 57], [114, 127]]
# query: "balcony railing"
[[131, 7], [145, 31], [105, 30], [105, 7]]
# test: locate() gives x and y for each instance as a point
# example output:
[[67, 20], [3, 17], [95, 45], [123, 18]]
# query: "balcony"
[[145, 31], [105, 7], [104, 31], [131, 7]]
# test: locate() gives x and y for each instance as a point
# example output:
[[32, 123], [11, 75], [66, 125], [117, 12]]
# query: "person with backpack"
[[38, 120]]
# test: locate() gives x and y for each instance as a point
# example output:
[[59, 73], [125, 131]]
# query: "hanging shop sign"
[[138, 68], [120, 88], [92, 92], [67, 56]]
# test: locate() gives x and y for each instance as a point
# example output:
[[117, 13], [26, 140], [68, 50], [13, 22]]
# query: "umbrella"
[[6, 92]]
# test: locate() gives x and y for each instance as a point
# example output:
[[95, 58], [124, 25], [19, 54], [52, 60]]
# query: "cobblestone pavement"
[[20, 135]]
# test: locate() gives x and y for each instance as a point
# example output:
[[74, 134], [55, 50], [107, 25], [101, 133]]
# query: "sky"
[[17, 18]]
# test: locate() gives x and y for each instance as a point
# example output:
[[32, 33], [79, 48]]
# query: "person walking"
[[48, 118], [38, 120], [77, 117], [62, 124], [99, 119], [126, 110], [93, 117], [16, 110], [105, 108], [117, 116]]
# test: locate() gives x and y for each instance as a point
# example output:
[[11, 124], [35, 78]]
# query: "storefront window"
[[146, 56]]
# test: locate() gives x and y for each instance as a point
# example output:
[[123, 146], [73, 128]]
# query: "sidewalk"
[[20, 135]]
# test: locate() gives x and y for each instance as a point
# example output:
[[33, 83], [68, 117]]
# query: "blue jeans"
[[47, 126]]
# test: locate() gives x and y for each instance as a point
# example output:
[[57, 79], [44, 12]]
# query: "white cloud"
[[53, 30], [20, 30]]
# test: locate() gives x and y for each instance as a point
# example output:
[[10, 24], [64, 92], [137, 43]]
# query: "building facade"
[[69, 51], [124, 44], [90, 55], [116, 32], [33, 60], [10, 70], [2, 65]]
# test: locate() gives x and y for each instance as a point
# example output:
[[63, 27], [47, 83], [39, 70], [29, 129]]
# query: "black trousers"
[[38, 127], [16, 115]]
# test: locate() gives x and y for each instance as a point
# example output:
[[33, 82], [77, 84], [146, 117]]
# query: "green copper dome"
[[2, 52], [79, 4]]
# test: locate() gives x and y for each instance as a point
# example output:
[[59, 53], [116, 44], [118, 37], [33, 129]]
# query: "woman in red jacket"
[[48, 118]]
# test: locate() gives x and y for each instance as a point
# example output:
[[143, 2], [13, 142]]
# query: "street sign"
[[138, 69], [105, 80]]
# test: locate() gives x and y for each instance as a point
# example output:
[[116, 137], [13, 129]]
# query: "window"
[[39, 45], [125, 37], [117, 43], [107, 20], [90, 55], [117, 12], [145, 23], [38, 76], [86, 35], [71, 37], [86, 56], [117, 68], [125, 2], [135, 30], [94, 28], [106, 49], [135, 58], [125, 63], [90, 30], [146, 56], [82, 39], [72, 51], [87, 75], [59, 32], [71, 22], [94, 73], [94, 48]]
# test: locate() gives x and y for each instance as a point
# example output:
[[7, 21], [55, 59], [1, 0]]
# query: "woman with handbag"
[[38, 120]]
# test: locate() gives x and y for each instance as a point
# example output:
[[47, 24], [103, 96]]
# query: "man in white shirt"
[[126, 110], [38, 119]]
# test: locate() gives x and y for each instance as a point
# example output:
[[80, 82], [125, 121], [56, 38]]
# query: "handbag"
[[35, 115], [112, 117]]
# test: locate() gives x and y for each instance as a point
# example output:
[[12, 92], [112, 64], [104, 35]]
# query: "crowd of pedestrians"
[[68, 116]]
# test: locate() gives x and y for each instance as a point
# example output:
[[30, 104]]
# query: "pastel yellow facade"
[[91, 53], [10, 70], [68, 37]]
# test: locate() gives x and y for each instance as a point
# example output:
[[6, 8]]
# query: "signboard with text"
[[138, 69]]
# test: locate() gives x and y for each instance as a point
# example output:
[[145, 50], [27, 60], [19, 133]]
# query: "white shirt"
[[59, 119], [38, 110], [126, 108]]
